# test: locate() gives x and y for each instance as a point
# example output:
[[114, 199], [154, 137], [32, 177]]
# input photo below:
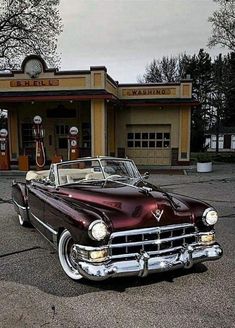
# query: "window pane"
[[166, 135], [137, 135], [166, 144], [145, 144], [137, 143], [130, 144], [130, 135], [151, 135], [152, 144], [159, 135], [159, 144], [144, 135]]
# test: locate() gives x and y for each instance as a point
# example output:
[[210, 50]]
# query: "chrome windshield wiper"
[[170, 198]]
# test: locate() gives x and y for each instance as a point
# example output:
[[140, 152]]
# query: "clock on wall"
[[33, 68]]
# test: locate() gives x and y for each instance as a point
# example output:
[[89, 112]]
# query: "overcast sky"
[[125, 35]]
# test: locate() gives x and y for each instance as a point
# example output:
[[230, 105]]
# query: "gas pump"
[[4, 150], [73, 148], [38, 134]]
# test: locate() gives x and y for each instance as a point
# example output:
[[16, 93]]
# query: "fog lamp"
[[207, 239], [99, 255]]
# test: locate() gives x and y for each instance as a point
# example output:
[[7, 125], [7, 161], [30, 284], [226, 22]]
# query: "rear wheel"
[[66, 256]]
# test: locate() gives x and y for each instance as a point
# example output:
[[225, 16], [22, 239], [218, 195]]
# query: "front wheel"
[[23, 222], [67, 260]]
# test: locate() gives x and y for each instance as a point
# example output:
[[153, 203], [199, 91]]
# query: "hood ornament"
[[157, 214]]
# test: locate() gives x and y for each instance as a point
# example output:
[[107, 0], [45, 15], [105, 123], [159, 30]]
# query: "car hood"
[[134, 206]]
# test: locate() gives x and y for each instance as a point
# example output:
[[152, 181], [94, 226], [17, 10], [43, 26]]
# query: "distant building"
[[226, 140], [149, 123]]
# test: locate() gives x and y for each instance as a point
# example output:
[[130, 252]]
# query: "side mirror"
[[146, 175]]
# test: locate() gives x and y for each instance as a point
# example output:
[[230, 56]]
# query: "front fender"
[[20, 199], [64, 214]]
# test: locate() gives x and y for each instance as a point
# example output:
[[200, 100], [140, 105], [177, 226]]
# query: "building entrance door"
[[227, 141]]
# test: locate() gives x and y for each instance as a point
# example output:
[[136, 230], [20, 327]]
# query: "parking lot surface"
[[36, 293]]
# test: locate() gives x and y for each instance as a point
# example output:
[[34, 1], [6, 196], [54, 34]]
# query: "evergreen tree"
[[200, 69], [213, 87], [229, 119], [218, 95]]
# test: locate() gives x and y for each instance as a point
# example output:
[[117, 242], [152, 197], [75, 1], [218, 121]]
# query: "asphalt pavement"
[[36, 293]]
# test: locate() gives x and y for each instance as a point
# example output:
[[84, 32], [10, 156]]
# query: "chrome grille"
[[154, 241]]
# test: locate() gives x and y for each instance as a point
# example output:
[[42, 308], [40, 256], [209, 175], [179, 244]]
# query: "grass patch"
[[223, 157]]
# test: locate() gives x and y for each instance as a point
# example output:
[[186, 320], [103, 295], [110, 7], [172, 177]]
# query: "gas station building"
[[149, 123]]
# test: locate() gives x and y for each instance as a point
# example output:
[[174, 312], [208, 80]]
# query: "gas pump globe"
[[38, 134], [73, 147], [4, 150]]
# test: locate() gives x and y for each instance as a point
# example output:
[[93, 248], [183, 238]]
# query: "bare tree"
[[223, 25], [28, 27], [168, 69]]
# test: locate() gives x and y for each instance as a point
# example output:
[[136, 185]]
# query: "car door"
[[37, 196]]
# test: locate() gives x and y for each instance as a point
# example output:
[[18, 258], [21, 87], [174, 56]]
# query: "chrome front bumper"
[[144, 264]]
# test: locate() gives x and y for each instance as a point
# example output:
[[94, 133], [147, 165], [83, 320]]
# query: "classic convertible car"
[[106, 220]]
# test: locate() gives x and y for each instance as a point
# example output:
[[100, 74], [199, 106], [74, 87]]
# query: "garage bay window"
[[148, 139]]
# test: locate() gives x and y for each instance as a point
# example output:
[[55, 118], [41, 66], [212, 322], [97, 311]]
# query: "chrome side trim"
[[44, 224], [20, 206]]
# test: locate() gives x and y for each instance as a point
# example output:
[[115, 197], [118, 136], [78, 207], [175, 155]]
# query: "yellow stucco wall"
[[98, 127], [150, 119], [111, 116], [184, 136], [147, 115], [108, 126], [52, 83], [98, 79]]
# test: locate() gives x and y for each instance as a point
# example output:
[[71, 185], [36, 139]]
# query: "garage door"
[[149, 144]]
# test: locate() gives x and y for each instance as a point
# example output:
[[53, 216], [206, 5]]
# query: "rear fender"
[[20, 199]]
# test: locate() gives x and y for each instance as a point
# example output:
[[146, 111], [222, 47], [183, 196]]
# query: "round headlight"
[[98, 230], [210, 217]]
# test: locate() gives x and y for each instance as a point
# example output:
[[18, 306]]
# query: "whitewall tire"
[[66, 257], [22, 222]]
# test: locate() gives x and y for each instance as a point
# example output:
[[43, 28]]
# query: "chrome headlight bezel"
[[98, 230], [210, 216]]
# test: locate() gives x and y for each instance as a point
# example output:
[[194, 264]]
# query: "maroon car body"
[[106, 220]]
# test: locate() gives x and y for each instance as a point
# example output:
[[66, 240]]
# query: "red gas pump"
[[38, 134], [4, 150], [73, 147]]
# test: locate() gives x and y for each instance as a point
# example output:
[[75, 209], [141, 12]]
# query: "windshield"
[[119, 168], [77, 171], [82, 171]]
